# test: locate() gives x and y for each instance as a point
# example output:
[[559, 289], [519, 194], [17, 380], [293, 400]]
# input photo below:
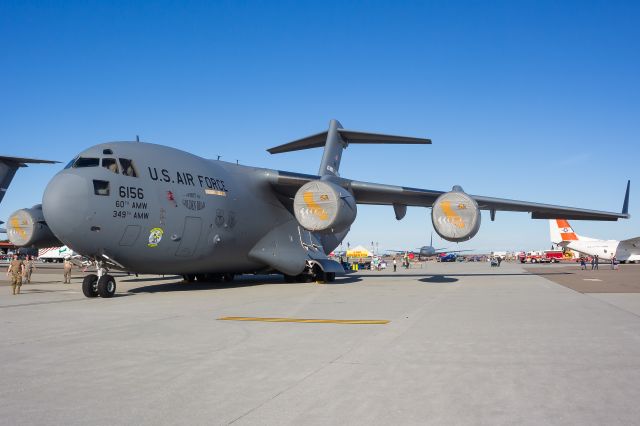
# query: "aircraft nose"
[[65, 206]]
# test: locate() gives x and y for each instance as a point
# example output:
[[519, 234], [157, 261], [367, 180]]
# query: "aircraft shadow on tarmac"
[[439, 279], [249, 281], [239, 282], [141, 280]]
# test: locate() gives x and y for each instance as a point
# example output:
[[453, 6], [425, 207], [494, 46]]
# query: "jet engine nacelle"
[[324, 207], [27, 228], [456, 216]]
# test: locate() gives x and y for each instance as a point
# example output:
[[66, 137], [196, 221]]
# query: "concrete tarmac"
[[466, 344]]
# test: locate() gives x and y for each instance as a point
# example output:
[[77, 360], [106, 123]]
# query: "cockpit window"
[[70, 163], [128, 168], [85, 162], [110, 164]]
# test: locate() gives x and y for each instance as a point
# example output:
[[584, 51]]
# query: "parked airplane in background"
[[153, 209], [8, 168], [429, 251], [624, 251]]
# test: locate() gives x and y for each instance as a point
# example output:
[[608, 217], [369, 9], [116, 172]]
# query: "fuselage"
[[427, 251], [605, 249], [156, 209]]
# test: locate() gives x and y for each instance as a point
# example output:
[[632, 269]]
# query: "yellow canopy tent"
[[358, 251]]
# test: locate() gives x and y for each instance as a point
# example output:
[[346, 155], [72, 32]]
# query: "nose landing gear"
[[106, 286], [90, 285], [102, 284]]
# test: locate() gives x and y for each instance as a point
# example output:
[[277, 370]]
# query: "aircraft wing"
[[286, 184]]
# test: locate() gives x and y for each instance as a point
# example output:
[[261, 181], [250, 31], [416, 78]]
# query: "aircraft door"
[[190, 236]]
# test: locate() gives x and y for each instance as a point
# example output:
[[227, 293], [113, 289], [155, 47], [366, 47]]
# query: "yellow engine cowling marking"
[[451, 215], [318, 211], [15, 224]]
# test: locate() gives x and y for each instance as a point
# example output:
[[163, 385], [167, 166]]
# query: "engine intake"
[[456, 216], [27, 228], [325, 207]]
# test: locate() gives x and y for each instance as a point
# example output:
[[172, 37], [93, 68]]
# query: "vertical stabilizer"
[[560, 231], [333, 147]]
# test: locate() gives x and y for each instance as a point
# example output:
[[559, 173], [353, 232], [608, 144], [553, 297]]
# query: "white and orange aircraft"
[[626, 251]]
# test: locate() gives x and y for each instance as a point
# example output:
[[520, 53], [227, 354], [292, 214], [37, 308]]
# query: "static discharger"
[[304, 320]]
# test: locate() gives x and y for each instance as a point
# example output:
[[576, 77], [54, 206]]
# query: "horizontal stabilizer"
[[348, 136]]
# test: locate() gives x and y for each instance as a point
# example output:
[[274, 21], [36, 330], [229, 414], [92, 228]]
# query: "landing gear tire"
[[331, 277], [90, 285], [319, 275], [106, 286], [228, 277], [289, 278]]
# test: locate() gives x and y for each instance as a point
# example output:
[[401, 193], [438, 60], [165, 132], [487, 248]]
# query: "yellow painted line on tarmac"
[[305, 320]]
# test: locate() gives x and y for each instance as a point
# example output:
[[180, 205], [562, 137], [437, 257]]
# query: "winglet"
[[625, 205]]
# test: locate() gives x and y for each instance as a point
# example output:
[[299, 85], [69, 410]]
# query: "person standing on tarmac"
[[29, 267], [395, 264], [16, 270], [67, 270], [597, 261]]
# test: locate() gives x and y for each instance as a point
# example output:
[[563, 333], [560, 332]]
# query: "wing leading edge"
[[286, 184]]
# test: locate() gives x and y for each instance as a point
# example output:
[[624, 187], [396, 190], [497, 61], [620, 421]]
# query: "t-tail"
[[561, 232], [335, 140]]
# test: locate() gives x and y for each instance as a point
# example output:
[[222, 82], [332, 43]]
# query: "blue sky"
[[537, 101]]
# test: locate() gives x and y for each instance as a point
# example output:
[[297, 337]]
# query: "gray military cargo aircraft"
[[148, 208], [430, 250], [8, 168]]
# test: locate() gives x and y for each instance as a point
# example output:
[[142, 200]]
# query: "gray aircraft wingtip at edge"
[[625, 203], [8, 168]]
